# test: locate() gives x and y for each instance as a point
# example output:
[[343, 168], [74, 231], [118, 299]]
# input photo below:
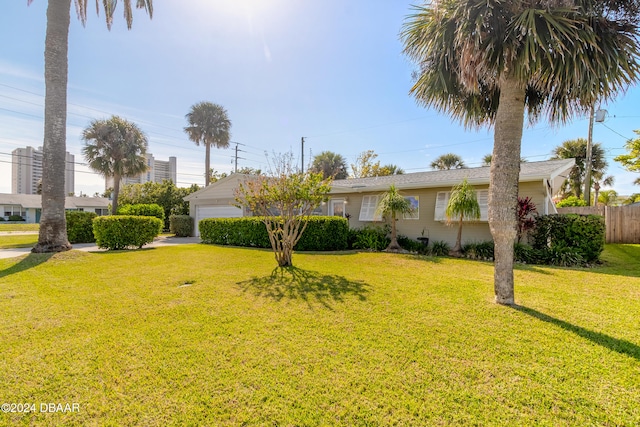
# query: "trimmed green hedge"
[[80, 226], [181, 225], [125, 231], [583, 235], [323, 233], [142, 209]]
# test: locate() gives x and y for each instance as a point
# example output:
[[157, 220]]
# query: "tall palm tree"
[[53, 226], [488, 62], [209, 125], [577, 149], [393, 203], [448, 161], [330, 164], [463, 204], [115, 148]]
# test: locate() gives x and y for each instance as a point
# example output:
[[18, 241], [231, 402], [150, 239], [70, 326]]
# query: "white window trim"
[[369, 209], [442, 199]]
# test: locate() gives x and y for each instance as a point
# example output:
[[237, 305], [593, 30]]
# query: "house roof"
[[213, 188], [529, 171], [34, 201]]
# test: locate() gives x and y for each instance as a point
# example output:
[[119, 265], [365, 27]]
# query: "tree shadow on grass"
[[615, 344], [25, 263], [309, 286]]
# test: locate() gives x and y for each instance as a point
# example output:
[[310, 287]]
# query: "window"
[[368, 209], [15, 210], [415, 204], [336, 207], [442, 198]]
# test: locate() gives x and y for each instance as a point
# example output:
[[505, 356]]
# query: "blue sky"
[[331, 71]]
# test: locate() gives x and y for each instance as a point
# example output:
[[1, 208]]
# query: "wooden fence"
[[622, 222]]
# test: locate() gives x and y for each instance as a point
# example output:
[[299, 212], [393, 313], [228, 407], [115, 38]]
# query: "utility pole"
[[235, 170], [587, 160], [302, 154]]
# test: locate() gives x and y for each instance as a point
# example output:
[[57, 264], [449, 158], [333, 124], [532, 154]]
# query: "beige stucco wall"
[[436, 230]]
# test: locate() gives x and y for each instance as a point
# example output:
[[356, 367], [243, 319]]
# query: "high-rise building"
[[26, 171], [158, 170]]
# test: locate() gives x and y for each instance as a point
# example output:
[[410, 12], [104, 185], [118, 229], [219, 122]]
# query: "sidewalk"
[[91, 247]]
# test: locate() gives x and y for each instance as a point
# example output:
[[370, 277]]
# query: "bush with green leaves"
[[582, 234], [322, 233], [80, 226], [571, 201], [370, 237], [15, 218], [412, 245], [479, 250], [181, 225], [143, 209], [125, 231]]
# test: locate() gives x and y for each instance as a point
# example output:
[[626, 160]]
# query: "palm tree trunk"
[[393, 244], [457, 249], [503, 187], [115, 194], [53, 226], [207, 162]]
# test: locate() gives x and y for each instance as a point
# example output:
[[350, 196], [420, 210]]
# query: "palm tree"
[[577, 149], [487, 62], [209, 125], [608, 197], [486, 160], [463, 204], [390, 169], [598, 179], [394, 203], [115, 148], [330, 164], [448, 161], [53, 226]]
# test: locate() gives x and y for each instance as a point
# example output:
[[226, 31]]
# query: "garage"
[[208, 211]]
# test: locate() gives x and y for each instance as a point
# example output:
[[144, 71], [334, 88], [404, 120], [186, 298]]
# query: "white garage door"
[[203, 212]]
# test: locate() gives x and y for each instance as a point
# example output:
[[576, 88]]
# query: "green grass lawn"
[[206, 335], [18, 240], [17, 226]]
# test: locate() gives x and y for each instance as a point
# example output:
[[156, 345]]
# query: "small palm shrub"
[[439, 248], [370, 237]]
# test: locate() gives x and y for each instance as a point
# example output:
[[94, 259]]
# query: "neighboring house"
[[29, 206], [429, 192], [216, 200]]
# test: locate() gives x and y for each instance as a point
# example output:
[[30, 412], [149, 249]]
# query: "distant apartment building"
[[158, 170], [26, 171]]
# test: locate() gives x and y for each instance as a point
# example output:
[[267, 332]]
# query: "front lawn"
[[18, 226], [8, 241], [207, 335]]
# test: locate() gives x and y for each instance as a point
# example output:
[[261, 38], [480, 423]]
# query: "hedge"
[[124, 231], [80, 226], [142, 209], [181, 225], [323, 233], [583, 235]]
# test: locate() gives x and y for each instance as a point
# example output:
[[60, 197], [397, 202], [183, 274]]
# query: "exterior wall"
[[436, 230]]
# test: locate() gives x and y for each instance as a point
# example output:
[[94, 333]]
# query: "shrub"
[[80, 226], [142, 209], [370, 237], [582, 234], [440, 248], [124, 231], [571, 201], [411, 245], [480, 250], [181, 225], [321, 233], [324, 233], [1, 218], [15, 218]]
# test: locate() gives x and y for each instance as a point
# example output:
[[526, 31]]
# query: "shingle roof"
[[35, 201], [529, 171]]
